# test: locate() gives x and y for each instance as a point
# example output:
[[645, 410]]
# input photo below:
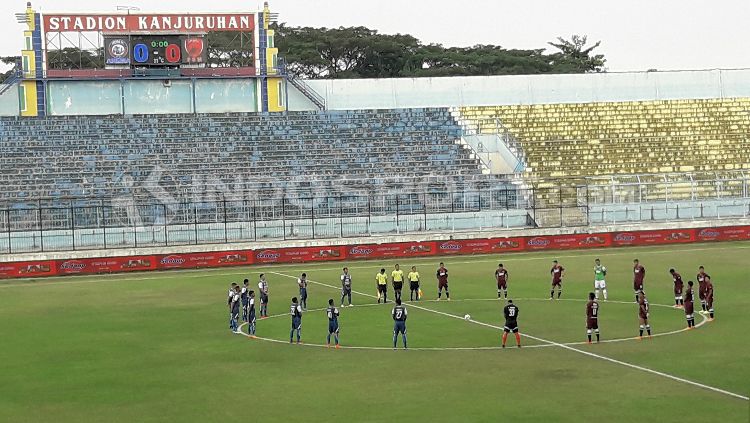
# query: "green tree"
[[575, 57], [9, 60]]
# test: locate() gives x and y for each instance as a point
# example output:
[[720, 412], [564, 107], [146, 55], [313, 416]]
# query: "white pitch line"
[[256, 269], [566, 347]]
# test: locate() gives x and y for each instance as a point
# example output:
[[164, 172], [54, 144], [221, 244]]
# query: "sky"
[[634, 34]]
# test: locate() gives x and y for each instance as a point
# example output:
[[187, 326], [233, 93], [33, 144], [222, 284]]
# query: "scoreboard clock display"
[[167, 50]]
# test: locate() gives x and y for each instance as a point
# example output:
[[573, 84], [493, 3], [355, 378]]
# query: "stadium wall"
[[38, 265], [393, 93]]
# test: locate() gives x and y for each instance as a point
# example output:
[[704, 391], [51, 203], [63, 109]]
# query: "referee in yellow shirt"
[[397, 278], [382, 279], [413, 277]]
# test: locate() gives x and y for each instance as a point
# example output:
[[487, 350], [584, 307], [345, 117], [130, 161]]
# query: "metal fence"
[[83, 224], [124, 224]]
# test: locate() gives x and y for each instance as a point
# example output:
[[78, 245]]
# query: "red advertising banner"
[[106, 265], [300, 254], [565, 242], [27, 269], [667, 236], [363, 251], [149, 23], [398, 249], [479, 246], [732, 233], [209, 259]]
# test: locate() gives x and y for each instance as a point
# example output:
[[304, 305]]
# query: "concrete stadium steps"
[[85, 156]]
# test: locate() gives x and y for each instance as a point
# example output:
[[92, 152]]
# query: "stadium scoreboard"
[[155, 50]]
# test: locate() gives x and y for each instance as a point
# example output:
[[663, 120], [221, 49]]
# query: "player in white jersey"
[[600, 283]]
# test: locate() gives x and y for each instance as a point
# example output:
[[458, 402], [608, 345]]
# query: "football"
[[467, 317]]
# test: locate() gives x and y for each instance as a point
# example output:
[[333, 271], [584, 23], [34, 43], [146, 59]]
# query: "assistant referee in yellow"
[[382, 280], [397, 278]]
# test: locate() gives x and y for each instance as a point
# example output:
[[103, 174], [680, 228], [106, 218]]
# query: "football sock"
[[552, 294], [676, 301], [640, 332], [588, 334], [703, 306], [597, 335], [518, 338], [440, 294], [291, 335], [604, 291], [336, 337], [395, 337], [596, 294], [328, 339], [505, 293], [505, 337], [648, 329], [682, 302], [447, 294], [711, 313], [499, 293], [404, 338], [559, 293], [299, 334]]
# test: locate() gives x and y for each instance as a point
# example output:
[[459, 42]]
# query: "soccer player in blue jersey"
[[399, 322], [235, 309], [263, 291], [244, 299], [251, 313], [333, 324], [346, 287], [296, 311], [302, 282], [230, 296]]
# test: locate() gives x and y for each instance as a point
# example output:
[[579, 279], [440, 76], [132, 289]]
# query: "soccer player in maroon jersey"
[[689, 306], [557, 273], [702, 279], [677, 279], [592, 317], [643, 315], [501, 276], [710, 299], [442, 278], [639, 272]]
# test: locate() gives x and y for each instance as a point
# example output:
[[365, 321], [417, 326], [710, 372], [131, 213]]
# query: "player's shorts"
[[303, 292], [245, 302], [557, 283], [642, 317], [442, 285], [346, 291], [592, 323], [414, 286], [296, 322], [399, 327], [502, 285], [701, 295], [333, 327], [382, 288], [263, 299], [689, 307], [637, 287], [678, 290], [602, 284], [511, 326], [398, 286]]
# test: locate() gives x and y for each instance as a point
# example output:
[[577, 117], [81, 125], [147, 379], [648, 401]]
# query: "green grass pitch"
[[155, 347]]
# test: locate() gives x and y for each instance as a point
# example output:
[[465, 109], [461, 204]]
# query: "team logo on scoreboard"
[[117, 51], [194, 49]]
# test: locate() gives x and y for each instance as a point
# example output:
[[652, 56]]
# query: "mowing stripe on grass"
[[553, 343]]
